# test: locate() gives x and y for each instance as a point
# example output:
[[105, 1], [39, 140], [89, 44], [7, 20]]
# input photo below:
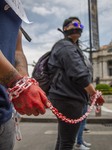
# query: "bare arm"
[[93, 93], [29, 99], [7, 71], [90, 89], [20, 59]]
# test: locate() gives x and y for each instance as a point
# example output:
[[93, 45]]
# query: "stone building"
[[102, 64]]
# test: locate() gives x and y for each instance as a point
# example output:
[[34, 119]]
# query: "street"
[[42, 136]]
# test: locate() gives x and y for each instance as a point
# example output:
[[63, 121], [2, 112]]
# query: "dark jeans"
[[67, 132]]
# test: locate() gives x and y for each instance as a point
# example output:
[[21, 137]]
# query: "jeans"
[[67, 132], [7, 135], [82, 126]]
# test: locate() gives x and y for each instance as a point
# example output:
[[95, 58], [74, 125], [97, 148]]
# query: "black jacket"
[[74, 74]]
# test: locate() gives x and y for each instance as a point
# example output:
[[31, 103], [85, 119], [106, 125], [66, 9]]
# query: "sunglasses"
[[77, 24]]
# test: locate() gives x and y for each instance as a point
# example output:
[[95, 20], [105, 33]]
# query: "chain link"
[[26, 82], [20, 86], [74, 121]]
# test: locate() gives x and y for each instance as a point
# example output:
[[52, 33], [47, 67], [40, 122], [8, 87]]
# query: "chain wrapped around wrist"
[[23, 84]]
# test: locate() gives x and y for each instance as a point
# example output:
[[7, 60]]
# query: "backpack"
[[41, 74]]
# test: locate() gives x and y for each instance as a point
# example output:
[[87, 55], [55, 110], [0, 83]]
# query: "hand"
[[98, 97], [100, 101], [30, 101]]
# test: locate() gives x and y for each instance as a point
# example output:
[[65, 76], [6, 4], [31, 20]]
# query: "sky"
[[48, 15]]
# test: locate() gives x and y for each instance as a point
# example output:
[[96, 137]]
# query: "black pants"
[[67, 132]]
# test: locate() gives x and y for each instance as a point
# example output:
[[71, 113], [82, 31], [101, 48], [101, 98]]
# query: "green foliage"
[[104, 88]]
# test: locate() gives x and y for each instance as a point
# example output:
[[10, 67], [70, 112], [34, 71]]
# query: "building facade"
[[102, 64]]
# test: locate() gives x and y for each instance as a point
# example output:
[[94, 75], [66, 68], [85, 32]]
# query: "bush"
[[104, 88]]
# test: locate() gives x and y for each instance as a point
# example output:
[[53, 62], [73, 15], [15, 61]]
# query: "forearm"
[[20, 59], [90, 89], [7, 71], [21, 63]]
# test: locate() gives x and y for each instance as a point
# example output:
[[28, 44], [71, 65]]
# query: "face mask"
[[77, 30], [73, 31]]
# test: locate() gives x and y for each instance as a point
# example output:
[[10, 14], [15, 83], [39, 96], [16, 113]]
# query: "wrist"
[[90, 90], [92, 93], [13, 80], [20, 86]]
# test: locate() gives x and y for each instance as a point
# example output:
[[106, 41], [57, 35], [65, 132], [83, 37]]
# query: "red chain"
[[26, 82], [74, 121], [20, 86]]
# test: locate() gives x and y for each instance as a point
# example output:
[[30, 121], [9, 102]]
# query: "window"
[[110, 50], [110, 67]]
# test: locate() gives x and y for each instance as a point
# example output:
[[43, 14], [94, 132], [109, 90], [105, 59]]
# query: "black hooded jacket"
[[74, 75]]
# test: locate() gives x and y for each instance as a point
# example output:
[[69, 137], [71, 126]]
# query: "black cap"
[[69, 20]]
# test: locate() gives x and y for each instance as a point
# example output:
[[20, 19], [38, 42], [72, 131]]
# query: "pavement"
[[103, 117], [40, 133], [42, 136]]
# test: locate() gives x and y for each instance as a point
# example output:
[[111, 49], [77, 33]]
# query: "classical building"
[[102, 64]]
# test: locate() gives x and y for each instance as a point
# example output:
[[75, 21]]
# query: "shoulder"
[[64, 42], [62, 45]]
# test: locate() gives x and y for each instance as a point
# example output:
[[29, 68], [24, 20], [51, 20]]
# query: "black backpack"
[[41, 74]]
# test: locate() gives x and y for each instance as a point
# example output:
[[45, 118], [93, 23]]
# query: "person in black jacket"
[[72, 86]]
